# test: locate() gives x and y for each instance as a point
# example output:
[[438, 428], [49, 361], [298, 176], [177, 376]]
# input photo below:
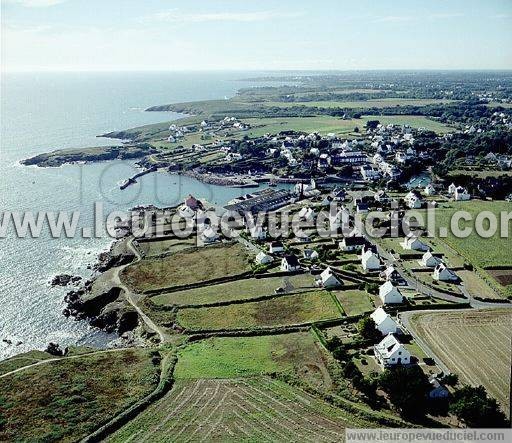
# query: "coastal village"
[[325, 323]]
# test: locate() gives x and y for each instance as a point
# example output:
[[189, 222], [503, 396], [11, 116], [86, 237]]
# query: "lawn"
[[155, 248], [240, 289], [354, 302], [68, 399], [229, 357], [186, 267], [306, 307], [475, 344], [372, 103], [476, 286]]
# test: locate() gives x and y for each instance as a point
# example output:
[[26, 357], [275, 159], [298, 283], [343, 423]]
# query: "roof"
[[387, 287], [291, 259], [354, 241], [379, 315], [388, 346]]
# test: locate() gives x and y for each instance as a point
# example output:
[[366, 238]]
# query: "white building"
[[310, 254], [349, 244], [389, 294], [307, 214], [327, 279], [429, 260], [276, 247], [452, 188], [290, 263], [429, 190], [390, 352], [263, 259], [413, 200], [442, 273], [383, 322], [412, 242], [461, 194], [370, 260]]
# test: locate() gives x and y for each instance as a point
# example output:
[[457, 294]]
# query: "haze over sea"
[[46, 111]]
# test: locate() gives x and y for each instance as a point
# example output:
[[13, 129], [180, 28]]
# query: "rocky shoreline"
[[89, 155]]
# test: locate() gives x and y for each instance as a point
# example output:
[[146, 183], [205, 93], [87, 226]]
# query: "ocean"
[[46, 111]]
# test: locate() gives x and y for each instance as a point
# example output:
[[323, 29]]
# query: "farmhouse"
[[442, 273], [349, 244], [327, 279], [461, 194], [390, 274], [390, 352], [412, 242], [290, 263], [413, 200], [264, 259], [429, 260], [310, 254], [370, 260], [383, 322], [389, 294], [276, 247]]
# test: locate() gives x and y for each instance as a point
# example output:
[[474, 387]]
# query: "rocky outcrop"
[[107, 260], [101, 153], [55, 350], [64, 280]]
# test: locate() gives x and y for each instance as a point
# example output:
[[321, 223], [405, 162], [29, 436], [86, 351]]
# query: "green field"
[[154, 248], [327, 124], [373, 103], [186, 267], [66, 400], [354, 302], [228, 357], [306, 307], [237, 290]]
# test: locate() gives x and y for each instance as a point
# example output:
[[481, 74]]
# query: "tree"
[[407, 388], [475, 408], [368, 330]]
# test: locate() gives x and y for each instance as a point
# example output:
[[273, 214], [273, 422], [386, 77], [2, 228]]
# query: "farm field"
[[253, 409], [229, 357], [306, 307], [327, 124], [372, 103], [473, 344], [240, 289], [354, 302], [66, 400], [155, 248], [186, 267]]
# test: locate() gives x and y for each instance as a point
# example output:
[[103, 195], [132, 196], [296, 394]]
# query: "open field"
[[502, 276], [65, 400], [306, 307], [372, 103], [354, 302], [473, 344], [327, 124], [476, 286], [186, 267], [154, 248], [237, 290], [227, 357], [255, 409]]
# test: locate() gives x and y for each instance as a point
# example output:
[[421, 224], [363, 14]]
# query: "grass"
[[307, 307], [237, 290], [328, 124], [66, 400], [21, 360], [372, 103], [187, 267], [354, 302], [229, 357], [474, 344], [476, 286], [155, 248], [249, 410]]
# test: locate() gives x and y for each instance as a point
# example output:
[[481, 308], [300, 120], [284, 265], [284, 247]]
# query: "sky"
[[126, 35]]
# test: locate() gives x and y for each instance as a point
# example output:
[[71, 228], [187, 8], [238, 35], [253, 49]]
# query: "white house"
[[429, 189], [307, 214], [290, 263], [276, 247], [461, 194], [370, 260], [413, 200], [310, 254], [263, 259], [381, 196], [412, 242], [390, 274], [452, 188], [209, 235], [429, 260], [389, 294], [390, 352], [327, 279], [442, 273], [258, 233], [383, 322], [349, 244]]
